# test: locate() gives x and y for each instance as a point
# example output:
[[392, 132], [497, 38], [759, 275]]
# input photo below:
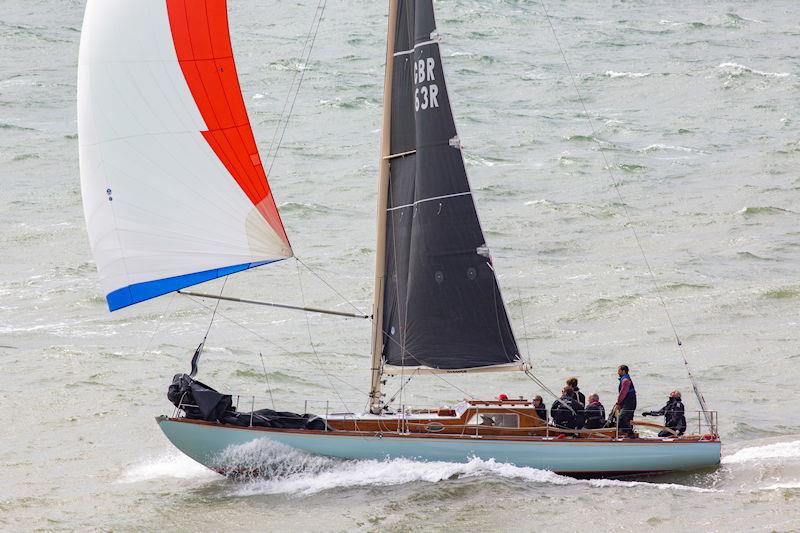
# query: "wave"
[[277, 469], [736, 70], [783, 294], [358, 102], [783, 486], [613, 74], [173, 465], [657, 147], [763, 210], [780, 450]]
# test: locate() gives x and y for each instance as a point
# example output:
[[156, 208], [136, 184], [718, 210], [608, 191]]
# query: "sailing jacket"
[[581, 397], [567, 412], [674, 415], [541, 412], [627, 393], [595, 416]]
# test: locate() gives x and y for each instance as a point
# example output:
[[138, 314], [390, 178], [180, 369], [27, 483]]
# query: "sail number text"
[[426, 92]]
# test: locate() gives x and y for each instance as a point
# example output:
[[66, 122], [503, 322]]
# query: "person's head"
[[675, 394], [573, 382], [622, 370], [537, 400], [594, 398], [567, 391]]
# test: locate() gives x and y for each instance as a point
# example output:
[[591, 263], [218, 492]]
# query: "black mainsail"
[[441, 306]]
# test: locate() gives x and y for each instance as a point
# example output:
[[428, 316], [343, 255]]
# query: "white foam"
[[783, 486], [173, 465], [664, 147], [736, 69], [292, 472], [780, 450], [613, 74]]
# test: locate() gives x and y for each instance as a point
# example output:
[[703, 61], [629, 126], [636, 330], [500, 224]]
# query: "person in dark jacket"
[[573, 382], [541, 408], [673, 413], [626, 402], [595, 413], [567, 412]]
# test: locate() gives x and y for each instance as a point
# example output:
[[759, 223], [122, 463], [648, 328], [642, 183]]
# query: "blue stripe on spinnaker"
[[139, 292]]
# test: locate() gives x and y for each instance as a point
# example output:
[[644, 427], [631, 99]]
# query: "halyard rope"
[[616, 188]]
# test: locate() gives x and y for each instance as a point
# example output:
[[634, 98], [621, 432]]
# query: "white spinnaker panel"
[[158, 201]]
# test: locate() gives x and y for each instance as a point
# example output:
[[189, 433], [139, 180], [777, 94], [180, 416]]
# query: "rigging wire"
[[158, 323], [331, 287], [266, 377], [305, 57], [524, 327], [291, 85], [214, 313], [615, 186], [273, 343], [311, 341]]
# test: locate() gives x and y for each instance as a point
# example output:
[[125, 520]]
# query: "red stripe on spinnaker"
[[203, 45]]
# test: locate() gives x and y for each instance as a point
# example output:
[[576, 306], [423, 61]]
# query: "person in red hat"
[[503, 397]]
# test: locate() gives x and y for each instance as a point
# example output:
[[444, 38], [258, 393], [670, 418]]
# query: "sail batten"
[[443, 311], [174, 190]]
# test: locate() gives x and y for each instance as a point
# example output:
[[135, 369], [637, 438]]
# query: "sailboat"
[[175, 194]]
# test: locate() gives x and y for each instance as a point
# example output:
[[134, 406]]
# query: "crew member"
[[595, 413], [573, 382], [541, 408], [567, 412], [626, 402], [673, 413]]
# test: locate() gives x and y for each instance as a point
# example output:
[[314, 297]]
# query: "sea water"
[[694, 111]]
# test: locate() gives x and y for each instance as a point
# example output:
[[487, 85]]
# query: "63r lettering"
[[426, 92]]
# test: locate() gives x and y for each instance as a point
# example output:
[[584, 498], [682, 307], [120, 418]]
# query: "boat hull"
[[206, 442]]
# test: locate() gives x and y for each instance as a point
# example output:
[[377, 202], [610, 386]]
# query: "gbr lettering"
[[426, 91]]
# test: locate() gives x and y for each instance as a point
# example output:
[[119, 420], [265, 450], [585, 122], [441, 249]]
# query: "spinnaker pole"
[[383, 197]]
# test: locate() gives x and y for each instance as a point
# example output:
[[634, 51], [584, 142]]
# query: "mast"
[[383, 196]]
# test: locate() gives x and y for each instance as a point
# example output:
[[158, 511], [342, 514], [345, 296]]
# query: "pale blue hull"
[[205, 443]]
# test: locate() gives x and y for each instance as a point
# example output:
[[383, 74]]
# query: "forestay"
[[442, 307], [174, 191]]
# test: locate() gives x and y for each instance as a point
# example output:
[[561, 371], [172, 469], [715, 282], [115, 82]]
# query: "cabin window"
[[502, 420]]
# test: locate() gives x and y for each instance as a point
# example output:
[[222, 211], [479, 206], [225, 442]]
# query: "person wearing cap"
[[502, 397], [673, 413], [573, 382]]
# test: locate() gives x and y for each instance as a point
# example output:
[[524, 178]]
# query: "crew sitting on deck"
[[567, 411], [541, 409], [673, 413], [595, 413], [573, 382]]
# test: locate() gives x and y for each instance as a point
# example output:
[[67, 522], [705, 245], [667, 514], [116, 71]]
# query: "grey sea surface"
[[695, 110]]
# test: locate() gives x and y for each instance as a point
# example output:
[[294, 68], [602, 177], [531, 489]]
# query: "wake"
[[271, 468]]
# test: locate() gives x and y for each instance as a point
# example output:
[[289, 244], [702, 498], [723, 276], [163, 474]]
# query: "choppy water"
[[696, 110]]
